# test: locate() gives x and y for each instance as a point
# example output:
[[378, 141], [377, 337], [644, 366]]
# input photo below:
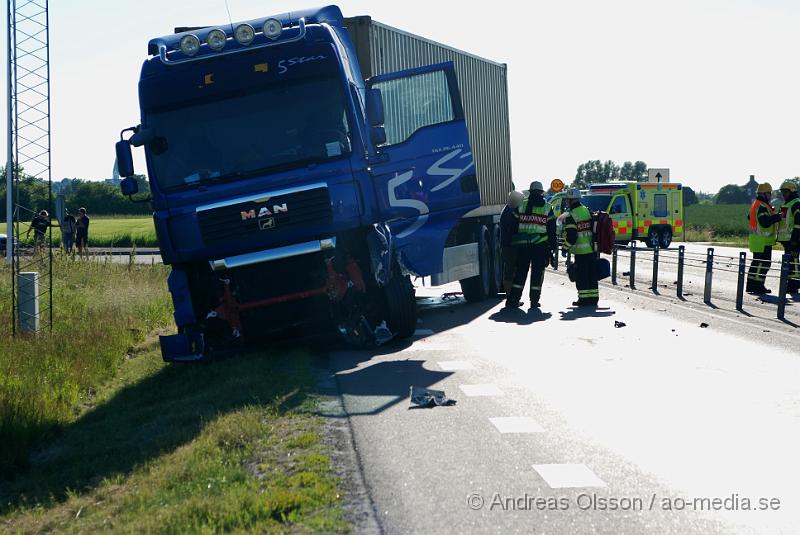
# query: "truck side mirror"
[[129, 186], [124, 158], [375, 107], [377, 135]]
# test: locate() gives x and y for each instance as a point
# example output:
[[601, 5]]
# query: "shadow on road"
[[575, 313], [519, 316], [153, 416]]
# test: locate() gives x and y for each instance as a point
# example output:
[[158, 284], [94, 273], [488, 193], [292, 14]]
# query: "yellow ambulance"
[[644, 211]]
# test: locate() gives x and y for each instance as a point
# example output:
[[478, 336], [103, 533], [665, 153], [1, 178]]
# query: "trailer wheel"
[[478, 288], [666, 237], [497, 264], [401, 306]]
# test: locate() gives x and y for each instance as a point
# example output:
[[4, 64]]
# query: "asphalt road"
[[565, 424]]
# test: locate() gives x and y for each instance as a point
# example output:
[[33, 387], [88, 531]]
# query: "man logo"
[[248, 215], [263, 213]]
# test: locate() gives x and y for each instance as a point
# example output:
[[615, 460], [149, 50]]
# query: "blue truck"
[[304, 166]]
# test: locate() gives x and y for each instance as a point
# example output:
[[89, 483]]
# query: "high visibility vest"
[[761, 237], [532, 226], [787, 224], [582, 223]]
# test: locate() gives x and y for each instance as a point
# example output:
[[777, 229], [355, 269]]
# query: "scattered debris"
[[626, 273], [425, 397], [382, 334], [673, 330], [618, 324], [704, 325], [767, 331]]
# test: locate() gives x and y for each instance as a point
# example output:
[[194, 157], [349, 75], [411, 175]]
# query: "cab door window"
[[619, 206]]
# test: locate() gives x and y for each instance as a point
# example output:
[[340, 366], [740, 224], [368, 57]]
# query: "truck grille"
[[257, 218]]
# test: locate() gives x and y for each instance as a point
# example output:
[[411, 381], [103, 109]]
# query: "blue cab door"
[[424, 172]]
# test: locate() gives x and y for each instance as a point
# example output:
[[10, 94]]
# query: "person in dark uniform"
[[789, 232], [579, 242], [39, 225], [509, 223], [534, 242]]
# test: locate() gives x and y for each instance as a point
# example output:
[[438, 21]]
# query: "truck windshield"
[[597, 202], [282, 126]]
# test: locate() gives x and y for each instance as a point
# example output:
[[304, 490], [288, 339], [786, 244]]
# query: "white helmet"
[[514, 199], [574, 194]]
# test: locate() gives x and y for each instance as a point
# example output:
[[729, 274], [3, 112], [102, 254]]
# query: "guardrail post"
[[740, 284], [681, 255], [709, 275], [614, 266], [655, 271], [632, 272], [784, 285]]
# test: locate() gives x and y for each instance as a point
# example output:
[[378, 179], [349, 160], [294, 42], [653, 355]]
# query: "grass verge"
[[111, 231], [101, 310], [231, 446]]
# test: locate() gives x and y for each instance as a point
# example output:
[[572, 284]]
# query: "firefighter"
[[763, 235], [580, 243], [789, 231], [508, 227], [534, 242]]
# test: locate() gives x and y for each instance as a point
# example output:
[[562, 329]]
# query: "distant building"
[[751, 187]]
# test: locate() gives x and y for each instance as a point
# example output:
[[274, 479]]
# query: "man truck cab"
[[648, 212]]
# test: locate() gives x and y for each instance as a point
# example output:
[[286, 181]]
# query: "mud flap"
[[183, 347]]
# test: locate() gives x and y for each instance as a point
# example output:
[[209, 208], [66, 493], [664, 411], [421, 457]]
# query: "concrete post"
[[28, 302]]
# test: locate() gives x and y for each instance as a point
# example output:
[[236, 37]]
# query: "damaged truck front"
[[291, 194]]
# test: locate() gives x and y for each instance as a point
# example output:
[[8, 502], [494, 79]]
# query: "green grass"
[[116, 231], [231, 446], [717, 222], [101, 310]]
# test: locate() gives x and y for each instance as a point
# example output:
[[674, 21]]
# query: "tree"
[[639, 171], [732, 194], [689, 197], [595, 171], [626, 171]]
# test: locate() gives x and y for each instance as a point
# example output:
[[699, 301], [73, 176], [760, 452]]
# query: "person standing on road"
[[579, 242], [789, 231], [509, 223], [82, 233], [763, 235], [68, 231], [534, 243]]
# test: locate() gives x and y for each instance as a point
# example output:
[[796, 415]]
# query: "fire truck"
[[643, 211]]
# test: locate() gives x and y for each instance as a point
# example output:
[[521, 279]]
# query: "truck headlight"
[[190, 44], [244, 34], [216, 40], [272, 28]]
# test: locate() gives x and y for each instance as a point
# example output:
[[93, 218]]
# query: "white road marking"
[[517, 424], [563, 476], [481, 390], [423, 332], [425, 346], [455, 365]]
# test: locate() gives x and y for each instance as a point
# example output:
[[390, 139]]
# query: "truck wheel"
[[478, 288], [653, 238], [666, 238], [401, 306], [497, 264]]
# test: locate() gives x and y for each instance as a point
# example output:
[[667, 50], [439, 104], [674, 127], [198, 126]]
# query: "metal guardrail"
[[711, 262]]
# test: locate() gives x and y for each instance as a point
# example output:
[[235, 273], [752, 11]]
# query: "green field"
[[717, 222], [113, 231]]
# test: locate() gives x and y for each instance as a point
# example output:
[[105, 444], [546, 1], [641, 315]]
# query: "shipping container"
[[484, 93]]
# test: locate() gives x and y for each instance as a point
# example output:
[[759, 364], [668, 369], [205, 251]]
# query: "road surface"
[[566, 424]]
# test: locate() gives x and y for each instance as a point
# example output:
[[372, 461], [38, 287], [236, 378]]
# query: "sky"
[[706, 88]]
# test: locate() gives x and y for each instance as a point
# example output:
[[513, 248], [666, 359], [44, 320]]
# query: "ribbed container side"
[[484, 93]]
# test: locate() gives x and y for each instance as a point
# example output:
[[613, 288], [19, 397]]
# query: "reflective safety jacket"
[[536, 223], [788, 225], [579, 220], [762, 235]]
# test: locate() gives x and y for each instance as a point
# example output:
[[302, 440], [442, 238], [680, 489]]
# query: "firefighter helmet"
[[514, 199], [764, 187], [536, 186], [789, 185], [574, 194]]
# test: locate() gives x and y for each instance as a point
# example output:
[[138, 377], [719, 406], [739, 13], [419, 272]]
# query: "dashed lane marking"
[[481, 390], [455, 365], [564, 476], [516, 424]]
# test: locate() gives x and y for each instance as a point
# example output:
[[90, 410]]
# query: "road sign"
[[556, 185], [658, 175]]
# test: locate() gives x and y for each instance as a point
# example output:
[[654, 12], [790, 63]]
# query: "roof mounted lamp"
[[244, 34], [190, 45], [216, 40], [272, 28]]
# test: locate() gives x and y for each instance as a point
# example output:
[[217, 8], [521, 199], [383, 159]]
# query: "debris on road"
[[618, 324], [626, 273], [427, 398], [704, 325]]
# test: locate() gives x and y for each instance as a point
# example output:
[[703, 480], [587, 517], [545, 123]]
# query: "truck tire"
[[401, 306], [497, 263], [478, 288], [653, 238], [666, 237]]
